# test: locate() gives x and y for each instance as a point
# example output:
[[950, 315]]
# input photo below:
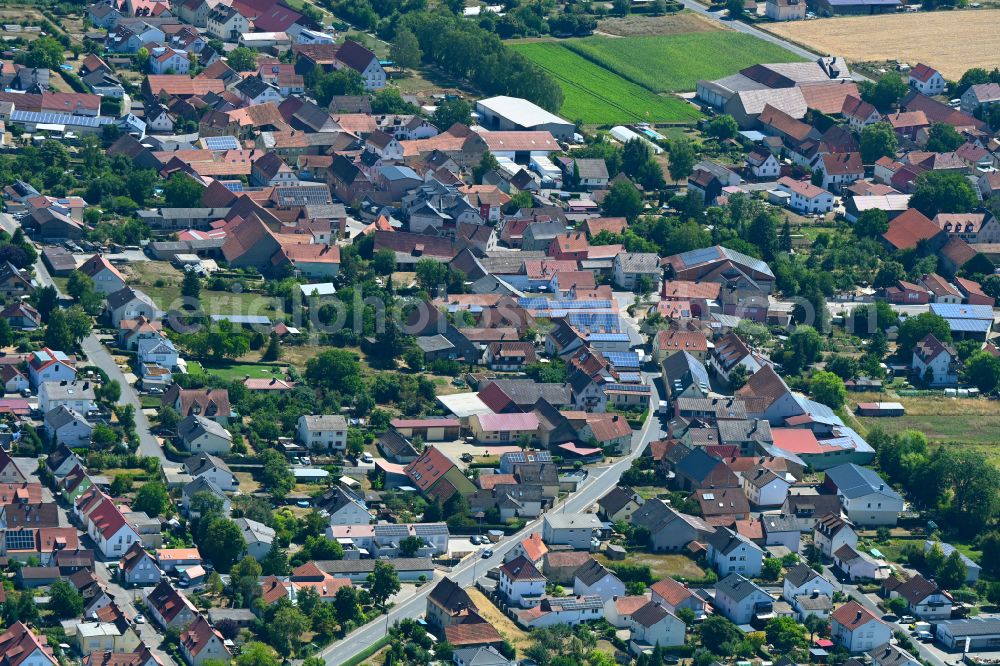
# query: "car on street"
[[890, 617], [488, 553], [924, 636], [140, 619]]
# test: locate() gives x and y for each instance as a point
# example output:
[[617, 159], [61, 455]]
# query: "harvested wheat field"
[[939, 39], [637, 25]]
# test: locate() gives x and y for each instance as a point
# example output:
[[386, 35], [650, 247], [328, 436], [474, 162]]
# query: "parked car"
[[924, 636], [890, 617], [140, 619]]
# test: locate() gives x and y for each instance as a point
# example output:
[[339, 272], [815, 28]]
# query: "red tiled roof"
[[909, 228]]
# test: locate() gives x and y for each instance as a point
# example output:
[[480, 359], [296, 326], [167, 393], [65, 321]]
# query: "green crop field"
[[675, 63], [598, 96]]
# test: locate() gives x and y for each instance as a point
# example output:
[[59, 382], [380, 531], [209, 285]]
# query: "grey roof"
[[973, 626], [687, 370], [525, 392], [434, 343], [481, 656], [200, 463], [725, 541], [697, 464], [639, 262], [560, 521], [779, 523], [325, 421], [591, 572], [744, 430], [801, 573], [62, 415], [76, 390], [127, 295], [195, 426], [737, 587], [808, 602], [202, 485], [254, 531], [650, 614], [853, 481]]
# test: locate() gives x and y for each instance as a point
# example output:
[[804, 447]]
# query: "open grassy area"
[[519, 638], [936, 38], [599, 96], [663, 565], [675, 63], [972, 423], [163, 284], [237, 371]]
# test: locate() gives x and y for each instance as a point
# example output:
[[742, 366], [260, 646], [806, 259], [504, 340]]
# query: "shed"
[[880, 409]]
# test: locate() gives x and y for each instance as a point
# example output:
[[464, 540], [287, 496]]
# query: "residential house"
[[67, 426], [856, 629], [670, 530], [764, 488], [927, 80], [521, 583], [200, 434], [838, 169], [924, 599], [448, 604], [762, 164], [934, 362], [129, 303], [654, 626], [739, 600], [867, 500], [730, 552], [323, 432], [620, 504], [107, 279], [210, 403], [79, 396], [637, 270], [204, 465], [978, 96], [674, 596], [858, 565], [138, 568], [785, 10], [859, 114], [258, 536], [20, 646], [226, 23], [804, 580], [344, 507], [806, 197], [165, 60], [832, 532], [892, 655], [201, 642], [595, 579], [47, 365], [570, 529]]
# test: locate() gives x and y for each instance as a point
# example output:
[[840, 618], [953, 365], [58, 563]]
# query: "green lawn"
[[675, 63], [163, 284], [237, 371], [663, 565], [599, 96]]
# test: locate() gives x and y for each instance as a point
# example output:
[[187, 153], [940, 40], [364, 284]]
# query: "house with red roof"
[[168, 607], [856, 628], [20, 646], [437, 476], [201, 642], [110, 530], [907, 293], [927, 80], [806, 197], [107, 279], [972, 292]]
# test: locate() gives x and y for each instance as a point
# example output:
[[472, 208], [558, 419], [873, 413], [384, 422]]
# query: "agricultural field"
[[598, 96], [635, 25], [936, 39], [971, 423], [675, 63]]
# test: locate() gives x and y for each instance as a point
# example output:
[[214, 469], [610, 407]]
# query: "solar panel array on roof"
[[607, 337], [535, 303], [391, 531], [630, 377], [59, 119], [432, 529], [233, 185], [704, 255], [962, 311], [623, 359], [595, 321], [532, 457], [628, 388], [578, 603], [222, 143], [20, 540]]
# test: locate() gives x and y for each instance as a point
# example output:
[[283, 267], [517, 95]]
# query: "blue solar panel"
[[233, 185], [59, 119], [961, 311], [535, 303], [628, 388], [222, 143], [595, 321], [623, 359]]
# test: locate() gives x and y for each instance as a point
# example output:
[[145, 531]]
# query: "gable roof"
[[853, 615]]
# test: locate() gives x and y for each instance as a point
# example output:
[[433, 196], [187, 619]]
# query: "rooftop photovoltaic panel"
[[59, 119], [221, 143], [623, 359], [233, 185], [595, 321], [522, 457], [430, 530], [392, 531], [534, 303], [20, 540], [628, 388]]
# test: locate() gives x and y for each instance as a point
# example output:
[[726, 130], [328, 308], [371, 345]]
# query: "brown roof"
[[784, 123], [828, 97], [209, 402], [909, 228], [853, 615], [520, 568], [183, 85], [673, 593], [472, 633]]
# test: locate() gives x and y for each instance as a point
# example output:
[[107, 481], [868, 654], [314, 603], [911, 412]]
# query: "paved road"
[[598, 483], [99, 356], [746, 29]]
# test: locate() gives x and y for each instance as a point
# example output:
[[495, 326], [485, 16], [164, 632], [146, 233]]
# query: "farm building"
[[881, 409], [513, 113]]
